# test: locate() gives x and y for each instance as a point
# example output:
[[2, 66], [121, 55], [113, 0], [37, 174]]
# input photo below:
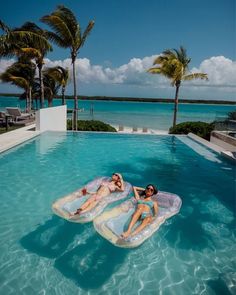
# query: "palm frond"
[[68, 17], [56, 39], [193, 76], [154, 70], [4, 27], [26, 37], [15, 80], [86, 33], [58, 25]]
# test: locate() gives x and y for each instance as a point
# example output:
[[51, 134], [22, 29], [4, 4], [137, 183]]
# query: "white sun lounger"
[[67, 205], [112, 223]]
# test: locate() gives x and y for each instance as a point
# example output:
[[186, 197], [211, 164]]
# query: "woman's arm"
[[155, 206], [120, 187], [136, 190], [139, 188]]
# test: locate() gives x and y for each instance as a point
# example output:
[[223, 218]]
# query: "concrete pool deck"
[[17, 136]]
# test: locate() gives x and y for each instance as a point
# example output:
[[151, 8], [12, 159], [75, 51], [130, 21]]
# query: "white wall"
[[53, 119]]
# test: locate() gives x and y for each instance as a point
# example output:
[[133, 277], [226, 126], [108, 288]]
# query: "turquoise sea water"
[[136, 114], [40, 253]]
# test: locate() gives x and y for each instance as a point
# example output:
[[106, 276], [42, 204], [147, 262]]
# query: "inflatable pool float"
[[111, 224], [66, 206]]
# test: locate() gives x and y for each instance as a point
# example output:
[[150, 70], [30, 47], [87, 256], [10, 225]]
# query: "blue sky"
[[128, 34]]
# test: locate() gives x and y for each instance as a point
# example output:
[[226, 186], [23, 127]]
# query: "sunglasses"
[[115, 174], [150, 188]]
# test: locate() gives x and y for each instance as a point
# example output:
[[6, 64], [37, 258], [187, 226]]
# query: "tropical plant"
[[67, 34], [27, 41], [91, 125], [36, 51], [21, 74], [51, 86], [201, 129], [232, 115], [61, 76], [173, 64]]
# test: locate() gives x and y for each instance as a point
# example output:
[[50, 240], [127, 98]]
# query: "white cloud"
[[5, 63], [221, 73]]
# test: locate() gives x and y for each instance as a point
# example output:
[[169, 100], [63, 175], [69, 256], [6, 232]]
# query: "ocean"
[[151, 115]]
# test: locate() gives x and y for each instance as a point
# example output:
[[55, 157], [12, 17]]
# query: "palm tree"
[[61, 76], [39, 52], [27, 41], [21, 74], [68, 35], [51, 87], [173, 64]]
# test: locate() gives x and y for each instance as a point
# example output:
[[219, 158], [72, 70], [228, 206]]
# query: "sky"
[[129, 34]]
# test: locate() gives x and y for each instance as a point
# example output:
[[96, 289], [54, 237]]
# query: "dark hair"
[[155, 190]]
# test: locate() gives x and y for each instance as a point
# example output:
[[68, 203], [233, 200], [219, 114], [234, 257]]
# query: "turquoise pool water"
[[150, 115], [192, 253]]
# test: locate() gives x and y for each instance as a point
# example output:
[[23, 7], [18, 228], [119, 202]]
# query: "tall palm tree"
[[67, 34], [173, 64], [61, 75], [21, 74], [27, 41], [39, 55], [51, 87]]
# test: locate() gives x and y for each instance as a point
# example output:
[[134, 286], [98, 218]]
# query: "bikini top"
[[150, 204], [111, 186]]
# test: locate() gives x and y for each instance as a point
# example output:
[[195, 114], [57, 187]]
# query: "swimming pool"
[[192, 253]]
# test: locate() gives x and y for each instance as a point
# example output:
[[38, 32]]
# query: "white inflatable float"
[[66, 206], [111, 224]]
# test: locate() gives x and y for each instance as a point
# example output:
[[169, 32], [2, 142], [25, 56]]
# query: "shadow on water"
[[219, 287], [88, 264], [52, 238], [91, 264]]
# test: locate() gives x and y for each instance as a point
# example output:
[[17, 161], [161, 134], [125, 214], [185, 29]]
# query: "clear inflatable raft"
[[111, 224], [66, 206]]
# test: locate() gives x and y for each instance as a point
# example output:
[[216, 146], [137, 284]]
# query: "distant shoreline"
[[136, 99]]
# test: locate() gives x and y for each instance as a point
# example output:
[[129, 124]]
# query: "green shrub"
[[201, 129], [91, 125], [232, 115]]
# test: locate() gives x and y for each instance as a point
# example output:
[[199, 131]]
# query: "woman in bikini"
[[145, 207], [106, 187]]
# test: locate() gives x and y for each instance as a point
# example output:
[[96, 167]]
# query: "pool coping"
[[218, 149]]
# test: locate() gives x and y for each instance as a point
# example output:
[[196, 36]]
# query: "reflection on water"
[[49, 142]]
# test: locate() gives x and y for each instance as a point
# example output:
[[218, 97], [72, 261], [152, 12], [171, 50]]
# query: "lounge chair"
[[145, 130], [16, 114], [135, 129], [121, 128], [2, 117]]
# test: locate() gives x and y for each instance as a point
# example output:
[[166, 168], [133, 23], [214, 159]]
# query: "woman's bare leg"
[[145, 222], [134, 219], [85, 205], [90, 206]]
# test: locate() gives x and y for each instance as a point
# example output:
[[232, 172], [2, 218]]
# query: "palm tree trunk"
[[176, 104], [63, 95], [30, 98], [75, 115], [41, 87], [27, 101]]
